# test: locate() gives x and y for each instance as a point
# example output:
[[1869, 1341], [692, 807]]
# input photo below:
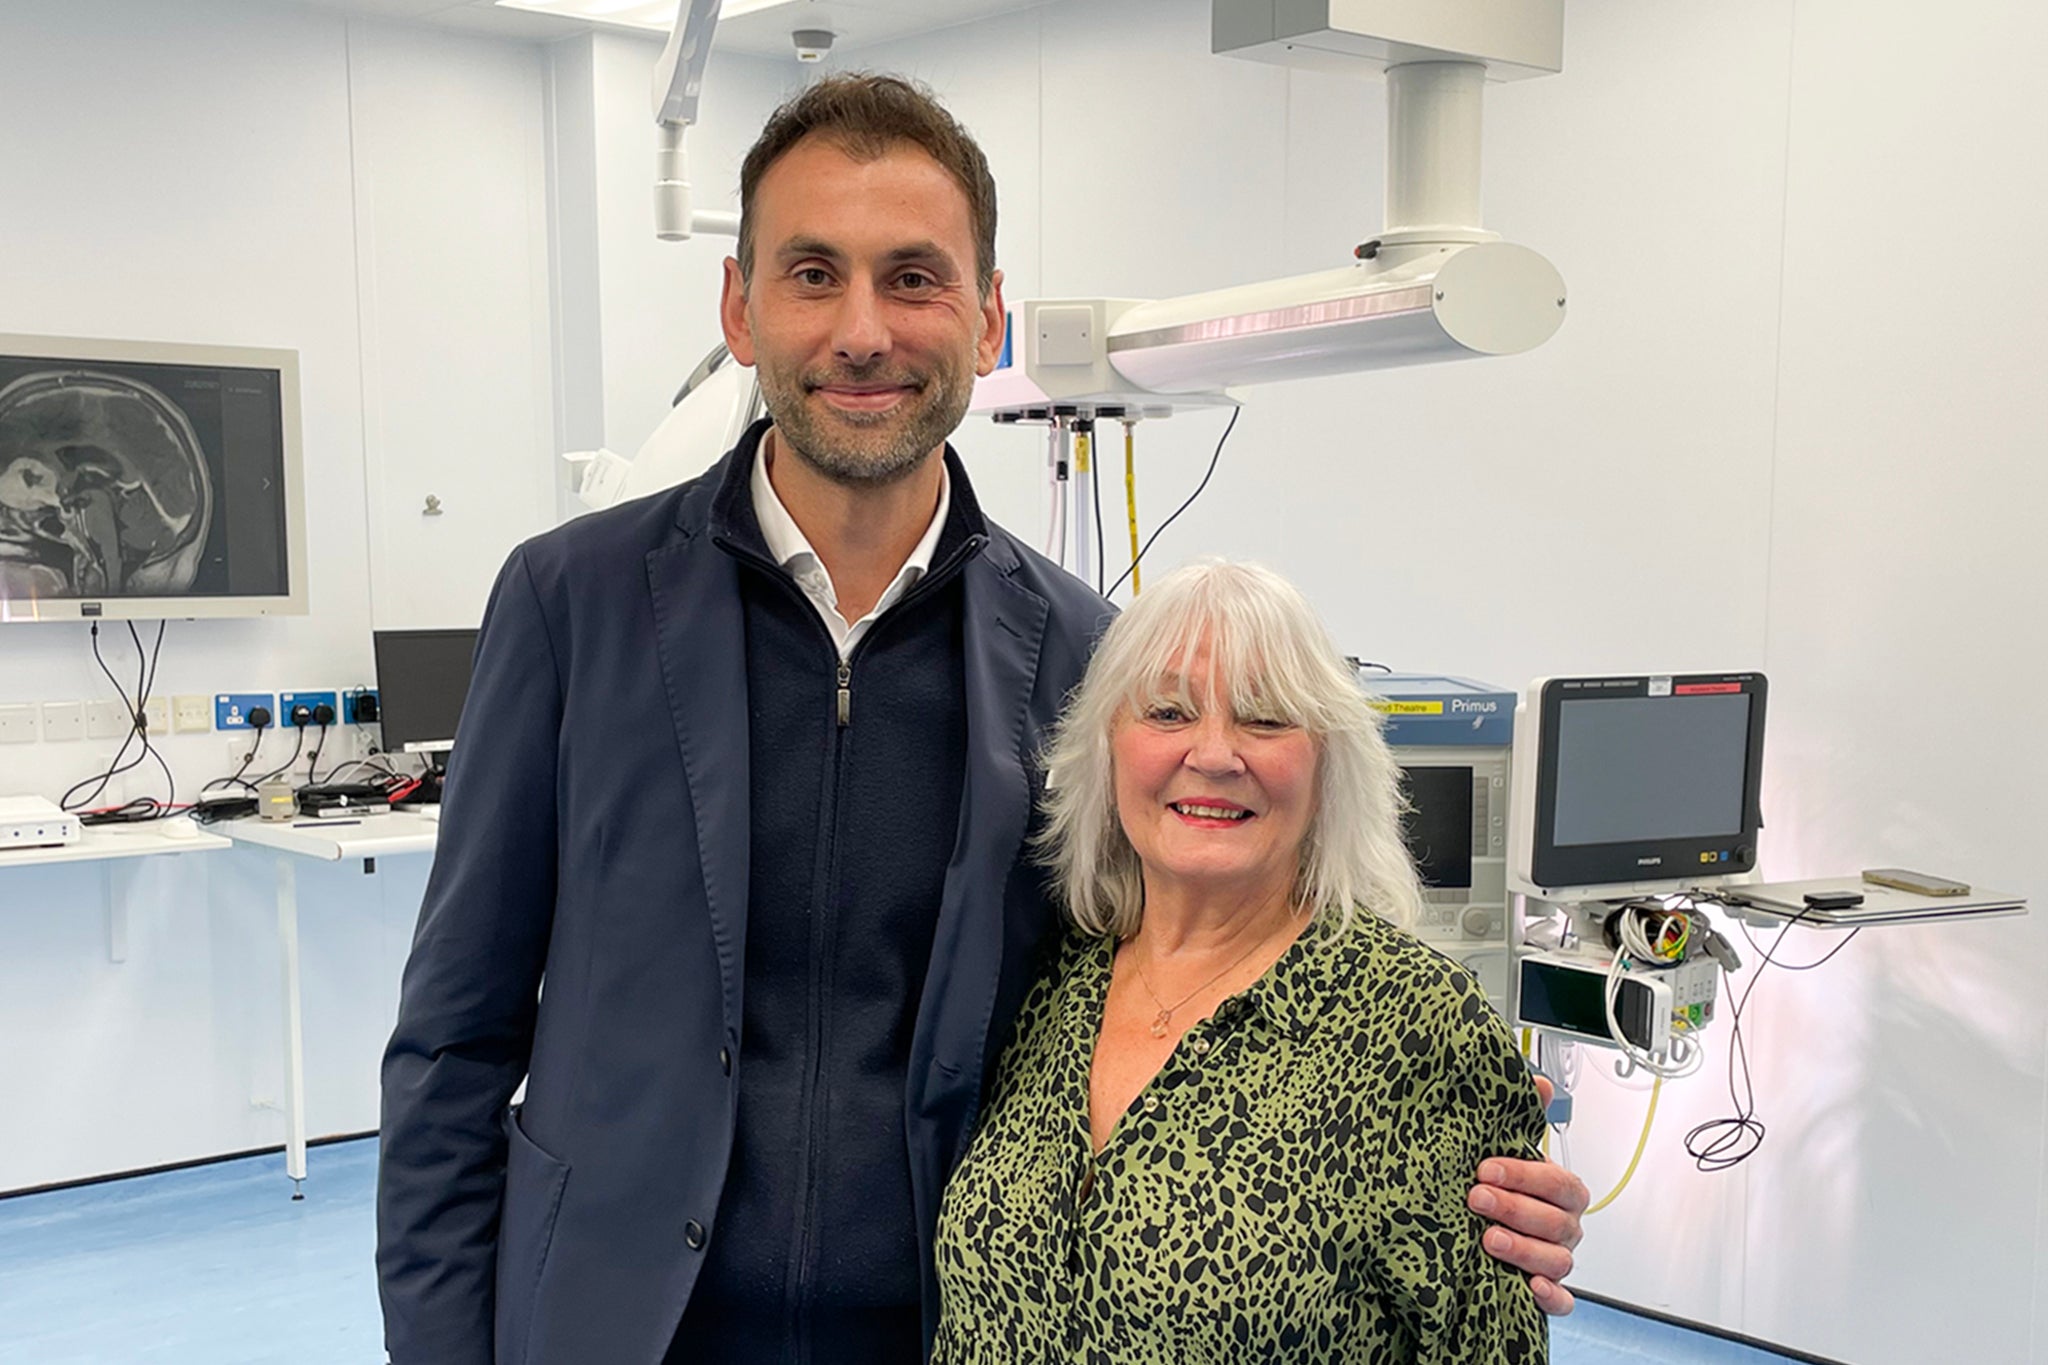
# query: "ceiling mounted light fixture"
[[654, 16]]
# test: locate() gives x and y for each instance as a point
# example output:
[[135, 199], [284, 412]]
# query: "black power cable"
[[259, 721], [298, 746], [313, 763], [1719, 1144], [1149, 540], [145, 807], [1087, 425]]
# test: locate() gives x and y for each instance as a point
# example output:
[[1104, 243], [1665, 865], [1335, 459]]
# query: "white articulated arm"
[[678, 80]]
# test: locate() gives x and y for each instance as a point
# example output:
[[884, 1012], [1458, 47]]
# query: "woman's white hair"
[[1267, 655]]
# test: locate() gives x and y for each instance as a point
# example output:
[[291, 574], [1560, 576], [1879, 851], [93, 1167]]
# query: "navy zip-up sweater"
[[852, 825]]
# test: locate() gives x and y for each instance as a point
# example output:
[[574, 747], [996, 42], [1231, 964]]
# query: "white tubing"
[[1052, 548]]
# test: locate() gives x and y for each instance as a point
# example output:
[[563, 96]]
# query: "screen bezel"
[[1643, 860], [285, 365]]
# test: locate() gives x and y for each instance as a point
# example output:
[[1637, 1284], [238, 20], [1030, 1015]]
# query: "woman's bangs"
[[1221, 655], [1260, 664], [1165, 664]]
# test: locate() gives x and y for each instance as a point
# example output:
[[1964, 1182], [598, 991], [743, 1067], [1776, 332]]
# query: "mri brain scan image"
[[104, 488]]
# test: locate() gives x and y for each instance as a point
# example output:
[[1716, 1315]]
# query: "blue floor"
[[216, 1265]]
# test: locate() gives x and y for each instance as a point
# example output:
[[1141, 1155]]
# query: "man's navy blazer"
[[584, 925]]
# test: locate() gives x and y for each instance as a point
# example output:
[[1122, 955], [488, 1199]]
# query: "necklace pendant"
[[1159, 1024]]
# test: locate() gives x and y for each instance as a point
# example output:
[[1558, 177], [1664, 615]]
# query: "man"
[[748, 787]]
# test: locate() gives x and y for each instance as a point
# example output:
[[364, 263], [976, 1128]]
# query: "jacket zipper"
[[843, 709]]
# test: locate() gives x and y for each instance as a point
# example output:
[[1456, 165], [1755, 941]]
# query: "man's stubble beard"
[[865, 449]]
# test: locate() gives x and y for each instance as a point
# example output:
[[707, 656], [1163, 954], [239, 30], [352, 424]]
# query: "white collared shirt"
[[789, 548]]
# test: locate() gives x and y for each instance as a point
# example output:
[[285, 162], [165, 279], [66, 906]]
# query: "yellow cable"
[[1131, 496], [1641, 1143]]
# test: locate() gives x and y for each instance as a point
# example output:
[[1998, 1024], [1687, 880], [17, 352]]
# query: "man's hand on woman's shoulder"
[[1535, 1208]]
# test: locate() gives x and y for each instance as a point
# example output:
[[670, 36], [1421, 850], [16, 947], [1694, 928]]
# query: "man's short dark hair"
[[865, 115]]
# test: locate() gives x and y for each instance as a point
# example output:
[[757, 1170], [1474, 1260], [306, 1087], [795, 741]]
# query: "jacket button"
[[725, 1060], [693, 1234]]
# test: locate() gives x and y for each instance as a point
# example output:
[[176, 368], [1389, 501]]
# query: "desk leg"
[[117, 914], [294, 1037]]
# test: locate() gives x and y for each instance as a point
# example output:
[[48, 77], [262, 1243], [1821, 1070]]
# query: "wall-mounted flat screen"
[[1645, 779], [149, 480]]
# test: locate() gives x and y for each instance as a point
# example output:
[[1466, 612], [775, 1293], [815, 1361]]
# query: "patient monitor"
[[1635, 797], [1637, 785]]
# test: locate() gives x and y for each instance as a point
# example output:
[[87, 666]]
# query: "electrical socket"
[[360, 706], [17, 724], [287, 700], [157, 712], [107, 720], [63, 720], [191, 713], [231, 709]]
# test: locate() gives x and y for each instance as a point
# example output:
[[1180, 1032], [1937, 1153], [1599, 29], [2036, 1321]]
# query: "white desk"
[[370, 838], [101, 842], [105, 844], [373, 836]]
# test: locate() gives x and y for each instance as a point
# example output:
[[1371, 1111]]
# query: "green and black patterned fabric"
[[1290, 1186]]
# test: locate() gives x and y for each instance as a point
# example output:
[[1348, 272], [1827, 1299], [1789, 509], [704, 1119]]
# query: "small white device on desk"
[[33, 822]]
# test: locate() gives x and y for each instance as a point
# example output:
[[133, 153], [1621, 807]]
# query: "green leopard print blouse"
[[1289, 1187]]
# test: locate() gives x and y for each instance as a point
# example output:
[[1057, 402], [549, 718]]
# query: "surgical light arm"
[[1431, 285], [678, 80]]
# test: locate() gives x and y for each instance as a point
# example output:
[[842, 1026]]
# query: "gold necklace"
[[1165, 1015]]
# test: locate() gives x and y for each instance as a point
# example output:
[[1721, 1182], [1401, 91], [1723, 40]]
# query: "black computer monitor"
[[422, 679]]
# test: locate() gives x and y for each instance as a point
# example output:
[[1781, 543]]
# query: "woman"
[[1237, 1120]]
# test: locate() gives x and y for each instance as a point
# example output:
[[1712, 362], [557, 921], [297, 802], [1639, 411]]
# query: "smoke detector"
[[812, 43]]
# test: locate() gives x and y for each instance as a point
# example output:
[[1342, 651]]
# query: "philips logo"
[[1649, 862], [1483, 707]]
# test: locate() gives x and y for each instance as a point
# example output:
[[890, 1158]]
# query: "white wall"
[[1788, 424], [449, 177], [1906, 582], [372, 197]]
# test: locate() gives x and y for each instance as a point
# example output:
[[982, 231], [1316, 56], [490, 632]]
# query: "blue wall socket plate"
[[231, 709], [287, 700], [352, 702]]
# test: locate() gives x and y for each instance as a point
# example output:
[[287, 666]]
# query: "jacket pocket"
[[526, 1226]]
